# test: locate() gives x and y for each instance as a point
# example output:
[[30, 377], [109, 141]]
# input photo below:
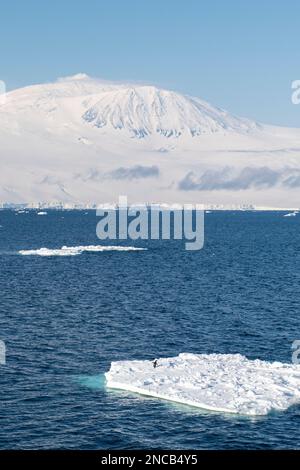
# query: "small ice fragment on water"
[[76, 250]]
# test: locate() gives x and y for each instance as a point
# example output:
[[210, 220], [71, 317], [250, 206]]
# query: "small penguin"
[[155, 363]]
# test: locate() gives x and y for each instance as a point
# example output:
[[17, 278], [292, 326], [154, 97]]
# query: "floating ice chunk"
[[291, 214], [76, 250], [219, 382]]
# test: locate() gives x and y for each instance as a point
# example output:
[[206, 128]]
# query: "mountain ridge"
[[141, 110], [84, 140]]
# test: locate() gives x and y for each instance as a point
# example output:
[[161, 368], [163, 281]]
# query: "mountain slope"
[[144, 111], [84, 140]]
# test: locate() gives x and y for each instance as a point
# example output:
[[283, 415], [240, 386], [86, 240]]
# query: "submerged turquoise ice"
[[64, 319]]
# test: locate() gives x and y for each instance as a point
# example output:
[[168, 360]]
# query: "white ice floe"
[[219, 382], [76, 250], [291, 214]]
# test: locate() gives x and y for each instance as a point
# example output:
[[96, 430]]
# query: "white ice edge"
[[228, 383], [130, 388], [76, 250]]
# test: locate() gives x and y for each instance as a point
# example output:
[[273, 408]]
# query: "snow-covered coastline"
[[94, 206], [228, 383], [81, 141]]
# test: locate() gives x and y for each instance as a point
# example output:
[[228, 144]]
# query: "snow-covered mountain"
[[85, 140], [145, 111]]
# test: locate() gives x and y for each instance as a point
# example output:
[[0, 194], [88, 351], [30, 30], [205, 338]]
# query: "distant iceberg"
[[76, 250], [228, 383]]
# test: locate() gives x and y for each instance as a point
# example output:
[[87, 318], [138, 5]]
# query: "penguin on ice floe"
[[155, 363]]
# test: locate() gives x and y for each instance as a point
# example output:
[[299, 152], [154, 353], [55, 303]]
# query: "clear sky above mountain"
[[242, 56]]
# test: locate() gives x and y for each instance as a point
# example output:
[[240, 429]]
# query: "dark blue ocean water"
[[64, 319]]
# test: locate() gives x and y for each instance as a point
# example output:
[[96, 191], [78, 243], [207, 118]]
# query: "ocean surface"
[[65, 318]]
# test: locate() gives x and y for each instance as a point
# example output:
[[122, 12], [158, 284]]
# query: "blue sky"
[[240, 55]]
